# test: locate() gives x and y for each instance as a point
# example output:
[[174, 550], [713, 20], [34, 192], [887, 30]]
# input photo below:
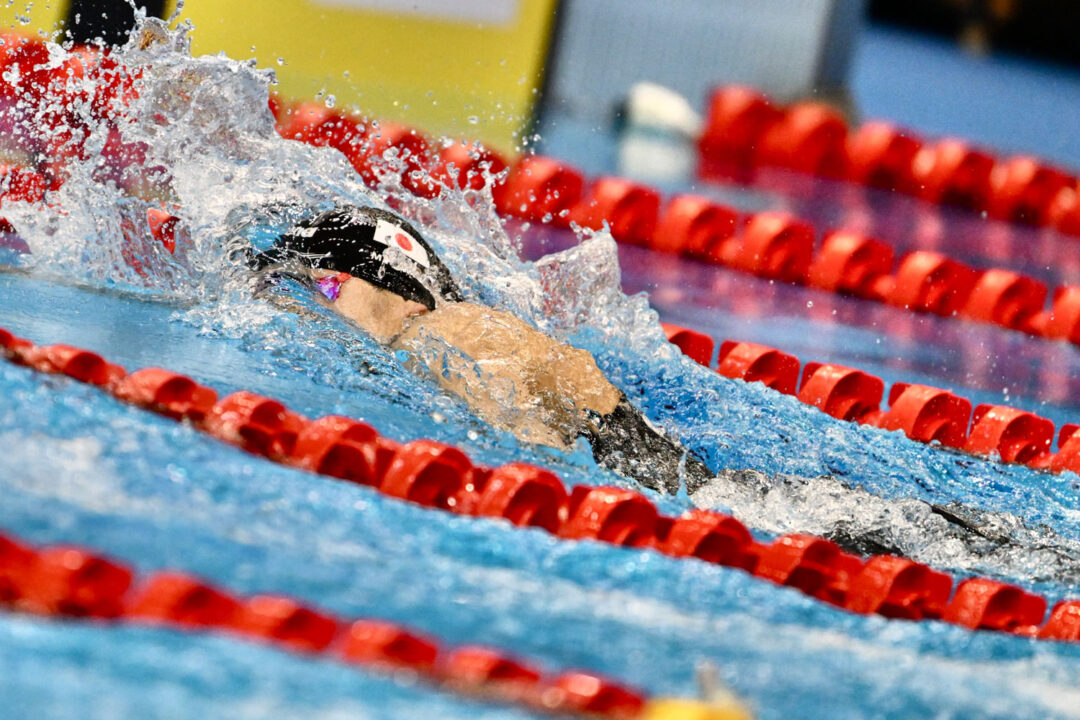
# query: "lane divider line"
[[924, 413], [442, 477], [746, 131], [77, 583], [781, 247]]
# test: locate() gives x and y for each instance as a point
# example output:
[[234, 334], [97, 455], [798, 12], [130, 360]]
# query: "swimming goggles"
[[330, 286]]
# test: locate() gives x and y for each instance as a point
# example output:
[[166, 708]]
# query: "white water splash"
[[195, 135]]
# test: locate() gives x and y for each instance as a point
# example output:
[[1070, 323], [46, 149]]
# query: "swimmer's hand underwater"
[[378, 271]]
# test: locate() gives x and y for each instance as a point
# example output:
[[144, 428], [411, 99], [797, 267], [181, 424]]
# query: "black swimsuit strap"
[[625, 442]]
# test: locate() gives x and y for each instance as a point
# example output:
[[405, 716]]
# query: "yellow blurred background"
[[462, 68]]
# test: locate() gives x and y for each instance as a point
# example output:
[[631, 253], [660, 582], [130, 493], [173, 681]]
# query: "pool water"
[[83, 468]]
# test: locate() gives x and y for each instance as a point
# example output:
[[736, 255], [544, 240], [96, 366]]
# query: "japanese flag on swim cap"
[[374, 245]]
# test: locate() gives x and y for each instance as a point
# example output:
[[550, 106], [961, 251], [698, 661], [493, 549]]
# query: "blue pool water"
[[56, 670], [81, 467], [84, 468]]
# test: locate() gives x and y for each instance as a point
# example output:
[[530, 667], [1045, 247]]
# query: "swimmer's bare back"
[[514, 376], [544, 391]]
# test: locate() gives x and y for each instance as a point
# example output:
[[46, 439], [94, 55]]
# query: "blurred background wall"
[[787, 48], [469, 68], [488, 69]]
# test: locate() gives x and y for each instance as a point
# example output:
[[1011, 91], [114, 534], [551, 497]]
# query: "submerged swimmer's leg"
[[952, 535]]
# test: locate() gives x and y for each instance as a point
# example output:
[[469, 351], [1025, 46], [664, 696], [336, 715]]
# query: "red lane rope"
[[442, 477], [781, 247], [772, 245], [745, 131], [924, 413], [79, 583]]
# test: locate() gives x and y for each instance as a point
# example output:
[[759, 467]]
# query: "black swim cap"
[[372, 244]]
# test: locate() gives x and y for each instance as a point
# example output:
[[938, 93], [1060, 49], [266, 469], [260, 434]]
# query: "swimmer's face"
[[380, 312]]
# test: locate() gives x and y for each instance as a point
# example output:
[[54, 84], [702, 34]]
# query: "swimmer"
[[375, 269]]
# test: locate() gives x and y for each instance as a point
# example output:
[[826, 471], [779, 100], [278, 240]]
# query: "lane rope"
[[924, 413], [77, 583], [746, 131], [442, 477]]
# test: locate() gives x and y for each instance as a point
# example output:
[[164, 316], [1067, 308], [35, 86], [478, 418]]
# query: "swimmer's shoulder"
[[477, 330], [464, 315]]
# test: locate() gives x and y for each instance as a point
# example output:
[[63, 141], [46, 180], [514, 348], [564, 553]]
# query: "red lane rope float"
[[79, 583], [923, 413], [441, 477], [778, 246], [745, 131]]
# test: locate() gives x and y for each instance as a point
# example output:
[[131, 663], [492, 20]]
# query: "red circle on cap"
[[404, 242]]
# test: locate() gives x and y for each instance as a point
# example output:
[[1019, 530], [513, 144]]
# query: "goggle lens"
[[330, 286]]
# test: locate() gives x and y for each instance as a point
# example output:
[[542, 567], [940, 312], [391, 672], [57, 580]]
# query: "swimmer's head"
[[382, 313], [373, 245]]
